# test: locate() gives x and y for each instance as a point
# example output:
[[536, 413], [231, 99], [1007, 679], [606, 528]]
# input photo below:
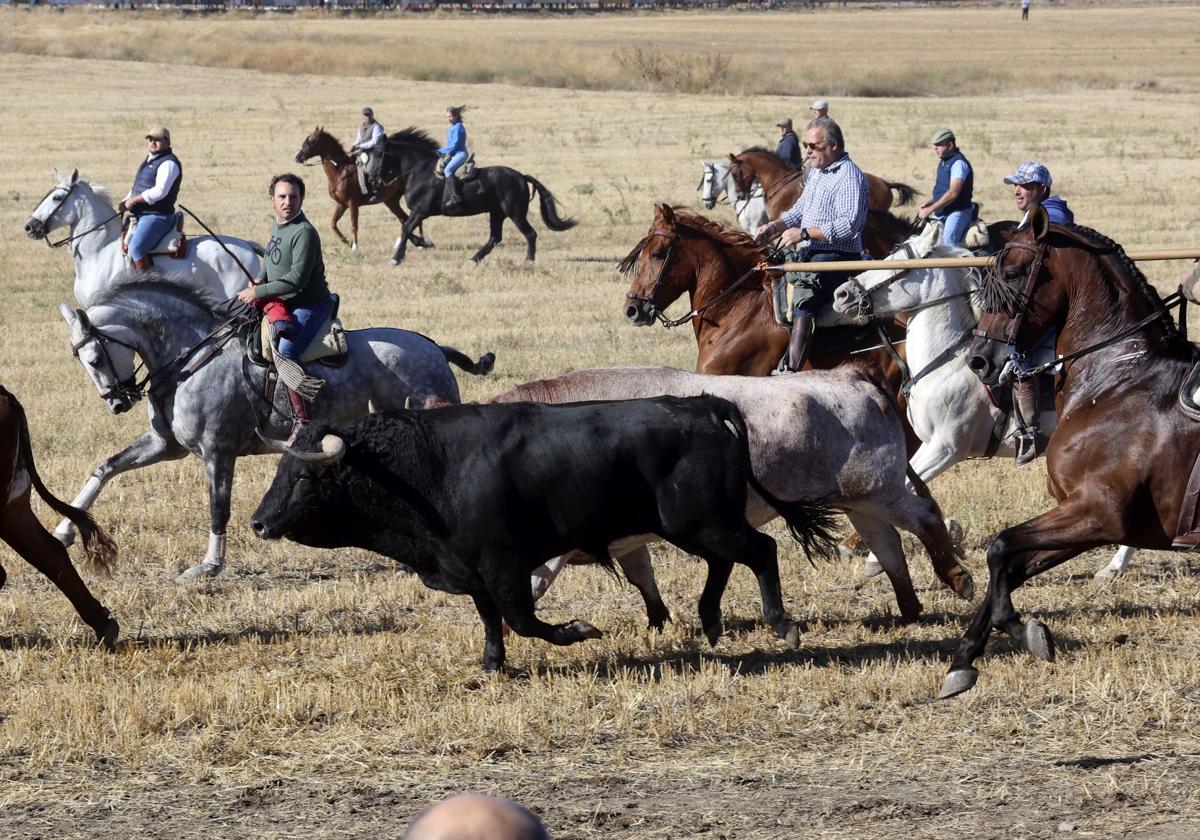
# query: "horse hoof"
[[965, 588], [354, 247], [201, 571], [713, 633], [792, 637], [107, 635], [582, 630], [1038, 640], [871, 568], [65, 533], [957, 682], [395, 262]]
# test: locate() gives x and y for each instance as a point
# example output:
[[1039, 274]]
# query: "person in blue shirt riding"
[[151, 199], [1031, 188], [456, 148], [789, 143], [951, 202]]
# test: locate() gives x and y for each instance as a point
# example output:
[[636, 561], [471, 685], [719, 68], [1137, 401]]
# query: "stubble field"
[[308, 693]]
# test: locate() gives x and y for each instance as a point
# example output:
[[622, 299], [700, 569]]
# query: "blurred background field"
[[318, 693]]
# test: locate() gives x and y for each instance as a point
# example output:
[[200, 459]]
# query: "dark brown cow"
[[25, 534]]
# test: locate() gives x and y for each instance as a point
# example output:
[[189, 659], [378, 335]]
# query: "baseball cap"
[[819, 105], [941, 136], [1030, 172], [368, 111], [158, 133], [786, 122]]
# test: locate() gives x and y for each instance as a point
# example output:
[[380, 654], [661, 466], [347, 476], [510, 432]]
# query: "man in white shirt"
[[368, 144], [152, 198]]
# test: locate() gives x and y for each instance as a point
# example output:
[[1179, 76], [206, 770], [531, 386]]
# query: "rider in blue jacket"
[[456, 148]]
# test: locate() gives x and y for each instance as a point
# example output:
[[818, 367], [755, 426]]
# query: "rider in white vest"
[[152, 198], [370, 139]]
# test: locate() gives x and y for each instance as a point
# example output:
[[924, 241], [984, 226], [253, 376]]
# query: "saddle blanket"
[[464, 173]]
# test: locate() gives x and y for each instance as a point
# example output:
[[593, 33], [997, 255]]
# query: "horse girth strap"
[[887, 343], [1186, 534]]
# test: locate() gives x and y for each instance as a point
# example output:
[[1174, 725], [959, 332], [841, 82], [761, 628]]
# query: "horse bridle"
[[130, 389], [45, 223], [1012, 330], [648, 298]]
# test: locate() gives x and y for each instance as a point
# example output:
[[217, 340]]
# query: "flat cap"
[[786, 122], [819, 105], [941, 136]]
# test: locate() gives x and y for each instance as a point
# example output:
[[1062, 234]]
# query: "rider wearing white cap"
[[151, 200]]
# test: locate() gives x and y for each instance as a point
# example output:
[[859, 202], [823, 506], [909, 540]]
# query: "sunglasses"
[[815, 146]]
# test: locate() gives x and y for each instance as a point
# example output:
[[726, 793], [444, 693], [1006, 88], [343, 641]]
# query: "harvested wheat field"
[[309, 693]]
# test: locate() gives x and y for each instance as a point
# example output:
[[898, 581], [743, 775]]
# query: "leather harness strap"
[[1186, 534]]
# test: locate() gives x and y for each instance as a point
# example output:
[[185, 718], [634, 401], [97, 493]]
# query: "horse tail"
[[98, 546], [810, 522], [904, 192], [548, 206], [481, 368]]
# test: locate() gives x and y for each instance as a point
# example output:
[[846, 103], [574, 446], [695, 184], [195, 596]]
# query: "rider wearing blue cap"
[[151, 200]]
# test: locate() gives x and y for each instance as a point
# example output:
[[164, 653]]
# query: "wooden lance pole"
[[962, 262]]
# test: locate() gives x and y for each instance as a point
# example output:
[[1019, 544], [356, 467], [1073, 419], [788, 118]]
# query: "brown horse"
[[26, 535], [736, 331], [782, 183], [1119, 458], [344, 189]]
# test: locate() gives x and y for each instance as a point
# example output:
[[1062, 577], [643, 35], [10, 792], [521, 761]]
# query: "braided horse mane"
[[745, 248], [1001, 294]]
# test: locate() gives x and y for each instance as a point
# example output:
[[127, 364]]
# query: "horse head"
[[653, 287], [741, 170], [1018, 306], [712, 182], [106, 356], [318, 144], [53, 211]]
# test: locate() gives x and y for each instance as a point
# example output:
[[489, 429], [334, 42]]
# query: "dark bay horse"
[[736, 332], [342, 173], [499, 191], [782, 183], [1120, 456], [20, 528]]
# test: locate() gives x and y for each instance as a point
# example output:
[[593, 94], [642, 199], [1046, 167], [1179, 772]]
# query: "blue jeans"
[[455, 162], [954, 227], [308, 319], [151, 228]]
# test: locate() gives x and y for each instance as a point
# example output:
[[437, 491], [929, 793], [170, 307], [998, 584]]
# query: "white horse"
[[95, 233], [949, 408], [716, 184]]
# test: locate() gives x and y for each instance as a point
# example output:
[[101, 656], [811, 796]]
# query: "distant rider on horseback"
[[456, 150], [368, 145], [824, 225], [952, 190], [293, 271], [151, 200], [1031, 189]]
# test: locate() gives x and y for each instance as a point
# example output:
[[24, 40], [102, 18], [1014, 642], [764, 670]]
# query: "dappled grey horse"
[[827, 435], [205, 398], [716, 183]]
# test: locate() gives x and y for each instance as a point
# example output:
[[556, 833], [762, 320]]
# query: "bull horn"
[[332, 450], [408, 404], [372, 408]]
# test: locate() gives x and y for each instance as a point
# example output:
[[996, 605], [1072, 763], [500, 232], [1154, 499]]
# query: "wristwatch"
[[804, 234]]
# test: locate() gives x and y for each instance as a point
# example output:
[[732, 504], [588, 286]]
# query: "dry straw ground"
[[307, 693]]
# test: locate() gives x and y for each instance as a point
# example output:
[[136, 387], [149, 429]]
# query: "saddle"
[[329, 345], [173, 245], [466, 172]]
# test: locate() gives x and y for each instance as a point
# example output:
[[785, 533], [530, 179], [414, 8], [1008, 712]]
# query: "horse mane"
[[414, 138], [745, 246], [764, 150], [1116, 264], [155, 280], [99, 189]]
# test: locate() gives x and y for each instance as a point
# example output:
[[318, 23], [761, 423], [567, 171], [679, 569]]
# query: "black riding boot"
[[299, 415], [802, 328], [144, 264], [1030, 440], [452, 195]]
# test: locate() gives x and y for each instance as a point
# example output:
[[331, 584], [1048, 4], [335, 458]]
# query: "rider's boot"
[[1030, 440], [300, 417], [802, 329], [452, 195], [144, 263]]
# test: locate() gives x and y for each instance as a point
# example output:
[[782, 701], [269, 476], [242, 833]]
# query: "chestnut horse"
[[736, 330], [342, 173], [1120, 456], [782, 183]]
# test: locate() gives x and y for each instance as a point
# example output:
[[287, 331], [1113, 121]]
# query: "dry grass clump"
[[309, 692]]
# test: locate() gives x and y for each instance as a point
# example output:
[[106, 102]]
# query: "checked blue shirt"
[[835, 201]]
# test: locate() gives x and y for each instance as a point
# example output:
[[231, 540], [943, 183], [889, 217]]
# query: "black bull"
[[475, 497]]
